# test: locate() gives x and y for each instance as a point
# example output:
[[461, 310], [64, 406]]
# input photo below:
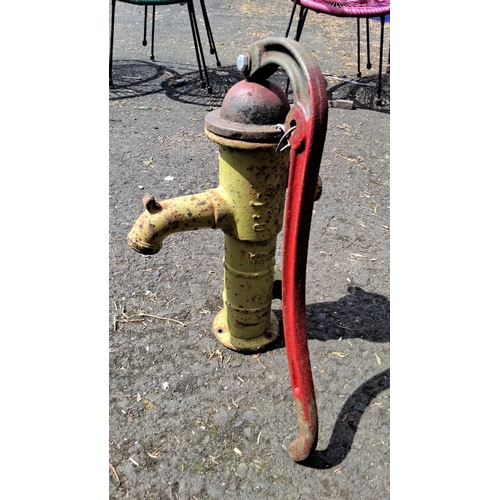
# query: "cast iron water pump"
[[269, 159]]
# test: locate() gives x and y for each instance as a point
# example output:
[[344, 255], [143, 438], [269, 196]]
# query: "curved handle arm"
[[309, 114]]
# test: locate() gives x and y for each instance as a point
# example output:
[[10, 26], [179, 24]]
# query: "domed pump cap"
[[250, 112]]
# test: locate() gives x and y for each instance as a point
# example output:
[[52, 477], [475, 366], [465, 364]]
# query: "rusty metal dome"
[[250, 112]]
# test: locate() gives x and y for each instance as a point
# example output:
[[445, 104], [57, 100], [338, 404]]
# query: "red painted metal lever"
[[309, 115]]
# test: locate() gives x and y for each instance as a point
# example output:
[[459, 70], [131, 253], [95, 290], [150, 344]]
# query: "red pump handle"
[[309, 114]]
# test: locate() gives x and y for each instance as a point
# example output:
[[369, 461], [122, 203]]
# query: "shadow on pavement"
[[360, 315], [135, 78], [348, 422], [362, 91]]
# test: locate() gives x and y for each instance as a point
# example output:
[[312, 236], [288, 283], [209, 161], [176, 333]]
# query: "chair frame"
[[200, 58]]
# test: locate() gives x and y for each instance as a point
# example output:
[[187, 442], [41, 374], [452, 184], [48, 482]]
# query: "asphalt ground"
[[188, 418], [92, 387]]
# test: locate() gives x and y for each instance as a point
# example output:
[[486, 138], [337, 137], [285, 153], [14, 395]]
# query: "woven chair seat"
[[349, 8], [152, 2]]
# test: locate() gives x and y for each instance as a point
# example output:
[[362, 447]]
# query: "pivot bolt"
[[242, 63]]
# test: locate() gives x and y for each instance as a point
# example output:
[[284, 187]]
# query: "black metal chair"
[[194, 28]]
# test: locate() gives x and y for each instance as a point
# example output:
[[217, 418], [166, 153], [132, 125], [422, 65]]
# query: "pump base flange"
[[221, 332]]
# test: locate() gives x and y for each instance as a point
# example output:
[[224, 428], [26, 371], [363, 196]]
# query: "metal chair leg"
[[359, 46], [382, 22], [302, 21], [152, 56], [113, 5], [368, 62], [291, 18], [210, 36], [300, 26], [198, 47], [388, 70], [144, 40]]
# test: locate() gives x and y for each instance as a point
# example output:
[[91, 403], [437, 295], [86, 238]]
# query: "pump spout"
[[186, 213]]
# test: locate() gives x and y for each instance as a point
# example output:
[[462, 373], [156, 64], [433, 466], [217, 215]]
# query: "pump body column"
[[255, 181]]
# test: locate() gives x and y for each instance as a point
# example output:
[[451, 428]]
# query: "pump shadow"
[[347, 423], [359, 314], [362, 315]]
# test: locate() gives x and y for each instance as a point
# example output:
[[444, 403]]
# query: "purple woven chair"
[[347, 8]]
